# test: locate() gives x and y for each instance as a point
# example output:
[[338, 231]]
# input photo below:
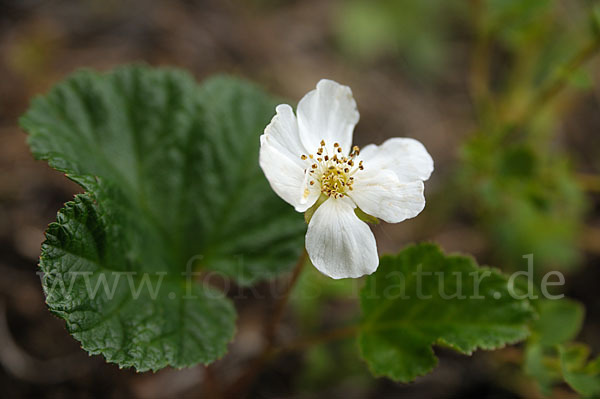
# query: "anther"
[[303, 157], [336, 145], [322, 143]]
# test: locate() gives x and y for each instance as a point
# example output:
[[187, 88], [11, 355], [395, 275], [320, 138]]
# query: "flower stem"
[[271, 329], [239, 387]]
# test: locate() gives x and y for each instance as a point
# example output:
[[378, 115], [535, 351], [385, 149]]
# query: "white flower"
[[309, 161]]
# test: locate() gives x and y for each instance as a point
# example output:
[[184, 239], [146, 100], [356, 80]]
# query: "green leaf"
[[118, 305], [367, 30], [422, 298], [541, 363], [172, 185], [559, 321], [527, 200], [581, 376]]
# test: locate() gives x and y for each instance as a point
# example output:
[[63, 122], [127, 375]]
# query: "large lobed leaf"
[[403, 317], [172, 184]]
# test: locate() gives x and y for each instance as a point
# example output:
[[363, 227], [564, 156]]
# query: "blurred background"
[[505, 94]]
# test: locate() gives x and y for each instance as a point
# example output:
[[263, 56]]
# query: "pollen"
[[334, 175]]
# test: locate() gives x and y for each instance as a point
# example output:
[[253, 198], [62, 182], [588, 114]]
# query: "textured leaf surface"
[[172, 183], [405, 315]]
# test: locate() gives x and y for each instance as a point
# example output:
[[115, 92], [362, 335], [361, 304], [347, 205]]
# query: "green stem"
[[480, 58], [554, 86]]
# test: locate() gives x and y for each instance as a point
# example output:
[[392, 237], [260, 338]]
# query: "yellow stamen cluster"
[[333, 173]]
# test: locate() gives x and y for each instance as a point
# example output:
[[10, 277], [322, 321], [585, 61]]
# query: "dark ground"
[[286, 47]]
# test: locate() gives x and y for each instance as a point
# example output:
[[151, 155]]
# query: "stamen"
[[303, 157], [335, 174]]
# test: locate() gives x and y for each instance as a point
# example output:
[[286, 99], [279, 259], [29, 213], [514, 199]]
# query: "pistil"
[[334, 174]]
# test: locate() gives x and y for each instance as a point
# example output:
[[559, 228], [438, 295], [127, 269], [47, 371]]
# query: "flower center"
[[334, 173]]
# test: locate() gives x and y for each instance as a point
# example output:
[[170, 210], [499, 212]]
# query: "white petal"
[[379, 193], [310, 194], [285, 176], [407, 157], [328, 113], [338, 243], [284, 136]]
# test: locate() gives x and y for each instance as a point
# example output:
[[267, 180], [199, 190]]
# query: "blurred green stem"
[[480, 62], [554, 86]]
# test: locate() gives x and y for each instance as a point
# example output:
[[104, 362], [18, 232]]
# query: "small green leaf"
[[559, 321], [422, 298], [581, 376], [541, 363], [173, 186]]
